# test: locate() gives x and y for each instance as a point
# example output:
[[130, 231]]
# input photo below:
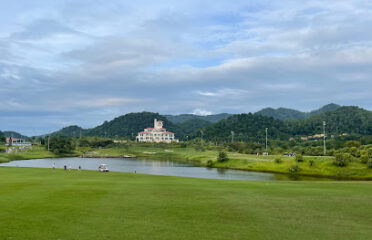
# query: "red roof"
[[169, 133]]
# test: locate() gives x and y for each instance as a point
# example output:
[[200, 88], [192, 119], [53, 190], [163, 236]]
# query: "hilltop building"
[[156, 134]]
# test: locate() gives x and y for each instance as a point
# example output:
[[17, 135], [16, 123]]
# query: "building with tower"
[[156, 134]]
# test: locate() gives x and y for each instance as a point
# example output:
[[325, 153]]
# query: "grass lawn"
[[42, 204], [34, 153]]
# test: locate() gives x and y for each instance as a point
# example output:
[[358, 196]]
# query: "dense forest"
[[209, 118], [345, 120], [244, 127], [291, 114], [343, 123], [130, 124]]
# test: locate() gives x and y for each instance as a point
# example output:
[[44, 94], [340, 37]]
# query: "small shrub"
[[364, 159], [294, 169], [299, 158], [311, 163], [209, 163], [342, 160], [369, 163], [222, 157], [278, 160]]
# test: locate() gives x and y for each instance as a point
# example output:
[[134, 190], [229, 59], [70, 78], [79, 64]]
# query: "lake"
[[154, 167]]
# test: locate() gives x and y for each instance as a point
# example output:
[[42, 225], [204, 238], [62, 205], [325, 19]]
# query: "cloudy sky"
[[85, 61]]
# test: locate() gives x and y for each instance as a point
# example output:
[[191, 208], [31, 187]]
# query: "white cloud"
[[69, 59], [201, 112]]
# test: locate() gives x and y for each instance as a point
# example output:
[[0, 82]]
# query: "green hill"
[[184, 117], [70, 131], [130, 124], [14, 134], [246, 127], [192, 125], [350, 120], [291, 114]]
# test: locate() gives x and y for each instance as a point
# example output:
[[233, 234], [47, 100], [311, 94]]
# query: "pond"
[[154, 167]]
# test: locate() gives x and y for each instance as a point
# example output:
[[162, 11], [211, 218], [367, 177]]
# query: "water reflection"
[[154, 167]]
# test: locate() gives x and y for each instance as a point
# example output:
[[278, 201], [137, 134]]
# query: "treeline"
[[343, 124]]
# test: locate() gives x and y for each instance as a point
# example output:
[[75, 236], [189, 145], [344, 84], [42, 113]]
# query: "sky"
[[81, 62]]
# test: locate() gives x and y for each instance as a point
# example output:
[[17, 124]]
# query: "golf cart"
[[103, 168]]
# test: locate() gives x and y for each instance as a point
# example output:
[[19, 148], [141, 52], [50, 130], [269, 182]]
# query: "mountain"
[[325, 108], [184, 117], [291, 114], [14, 134], [130, 124], [350, 120], [249, 127], [282, 113], [70, 131], [192, 125]]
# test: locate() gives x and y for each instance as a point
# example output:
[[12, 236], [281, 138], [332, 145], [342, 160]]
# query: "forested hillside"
[[291, 114], [192, 125], [14, 134], [130, 124], [246, 127], [350, 120], [70, 131], [184, 117]]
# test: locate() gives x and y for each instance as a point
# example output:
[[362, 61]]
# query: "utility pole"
[[266, 139], [324, 138], [232, 136], [48, 142]]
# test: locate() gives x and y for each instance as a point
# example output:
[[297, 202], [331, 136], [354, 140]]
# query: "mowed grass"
[[42, 204], [34, 153]]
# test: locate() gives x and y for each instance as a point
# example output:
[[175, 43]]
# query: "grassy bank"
[[42, 204], [321, 167], [34, 153]]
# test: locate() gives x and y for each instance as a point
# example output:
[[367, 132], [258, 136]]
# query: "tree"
[[299, 158], [222, 157], [60, 145], [342, 159]]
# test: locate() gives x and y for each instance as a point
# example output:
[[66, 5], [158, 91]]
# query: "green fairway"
[[42, 204]]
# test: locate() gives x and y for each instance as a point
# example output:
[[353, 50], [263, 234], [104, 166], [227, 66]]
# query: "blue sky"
[[82, 62]]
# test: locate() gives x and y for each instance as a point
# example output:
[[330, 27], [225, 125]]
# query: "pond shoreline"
[[198, 162]]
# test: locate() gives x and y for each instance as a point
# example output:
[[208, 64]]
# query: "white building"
[[17, 142], [156, 134]]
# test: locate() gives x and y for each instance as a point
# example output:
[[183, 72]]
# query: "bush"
[[369, 163], [299, 158], [294, 169], [364, 159], [222, 157], [278, 160], [209, 163], [342, 159], [60, 145]]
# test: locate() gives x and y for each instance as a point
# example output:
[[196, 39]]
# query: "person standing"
[[79, 168], [54, 166], [65, 167]]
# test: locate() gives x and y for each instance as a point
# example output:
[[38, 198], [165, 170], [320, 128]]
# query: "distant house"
[[17, 142], [156, 134]]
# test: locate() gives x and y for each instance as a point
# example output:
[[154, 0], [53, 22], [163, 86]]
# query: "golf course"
[[46, 204]]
